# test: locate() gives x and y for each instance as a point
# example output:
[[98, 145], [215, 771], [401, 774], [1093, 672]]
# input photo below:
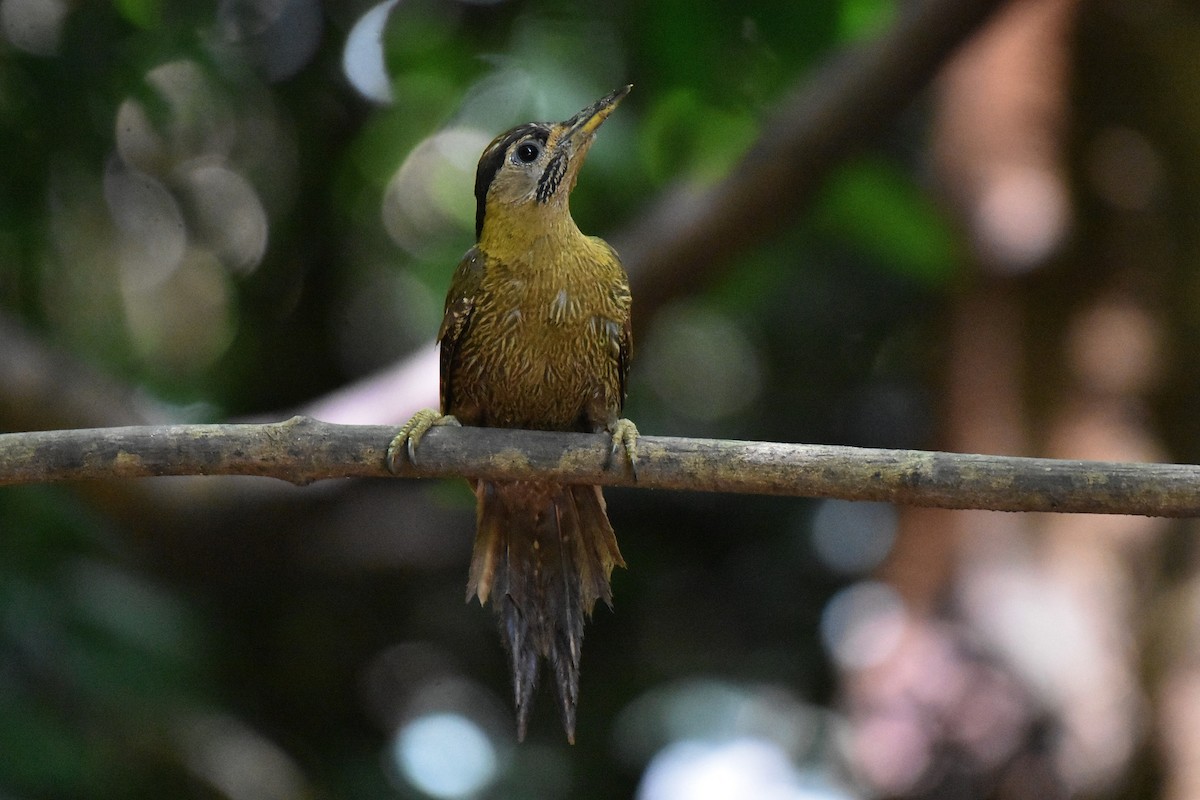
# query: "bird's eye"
[[528, 152]]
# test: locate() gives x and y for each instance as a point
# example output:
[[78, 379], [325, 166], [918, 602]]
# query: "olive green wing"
[[624, 354], [621, 339], [461, 300]]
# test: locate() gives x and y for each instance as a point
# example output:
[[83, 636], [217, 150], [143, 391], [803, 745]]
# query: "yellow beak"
[[579, 128]]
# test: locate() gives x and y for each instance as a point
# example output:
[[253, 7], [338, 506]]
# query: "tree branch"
[[689, 235], [303, 450]]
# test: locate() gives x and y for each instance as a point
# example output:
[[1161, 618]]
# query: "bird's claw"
[[624, 435], [410, 434]]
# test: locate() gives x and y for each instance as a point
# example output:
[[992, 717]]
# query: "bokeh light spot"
[[852, 538], [863, 623], [228, 215], [691, 770], [238, 761], [153, 235], [34, 26], [362, 60], [191, 119], [701, 363], [1022, 217], [185, 323], [429, 199], [714, 711], [445, 755]]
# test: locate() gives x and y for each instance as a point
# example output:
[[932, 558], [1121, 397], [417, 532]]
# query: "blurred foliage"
[[98, 660], [875, 204], [234, 210]]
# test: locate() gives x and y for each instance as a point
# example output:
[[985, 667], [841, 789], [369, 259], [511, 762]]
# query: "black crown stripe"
[[493, 158]]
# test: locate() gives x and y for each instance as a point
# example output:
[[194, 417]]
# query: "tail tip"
[[522, 723], [568, 719]]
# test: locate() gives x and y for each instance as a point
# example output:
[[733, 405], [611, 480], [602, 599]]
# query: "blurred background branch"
[[689, 235]]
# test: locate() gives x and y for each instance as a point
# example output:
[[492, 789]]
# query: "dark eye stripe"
[[493, 158]]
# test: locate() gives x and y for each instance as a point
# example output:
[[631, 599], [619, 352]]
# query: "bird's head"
[[533, 167]]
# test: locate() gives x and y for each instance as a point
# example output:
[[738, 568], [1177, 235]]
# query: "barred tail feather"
[[543, 554]]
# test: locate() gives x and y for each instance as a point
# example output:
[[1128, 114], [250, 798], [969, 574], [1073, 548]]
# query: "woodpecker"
[[536, 335]]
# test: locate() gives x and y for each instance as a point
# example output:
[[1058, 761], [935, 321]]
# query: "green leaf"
[[145, 14], [862, 19], [686, 137], [879, 208]]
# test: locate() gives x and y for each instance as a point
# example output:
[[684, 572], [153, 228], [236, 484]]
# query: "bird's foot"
[[624, 435], [409, 437]]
